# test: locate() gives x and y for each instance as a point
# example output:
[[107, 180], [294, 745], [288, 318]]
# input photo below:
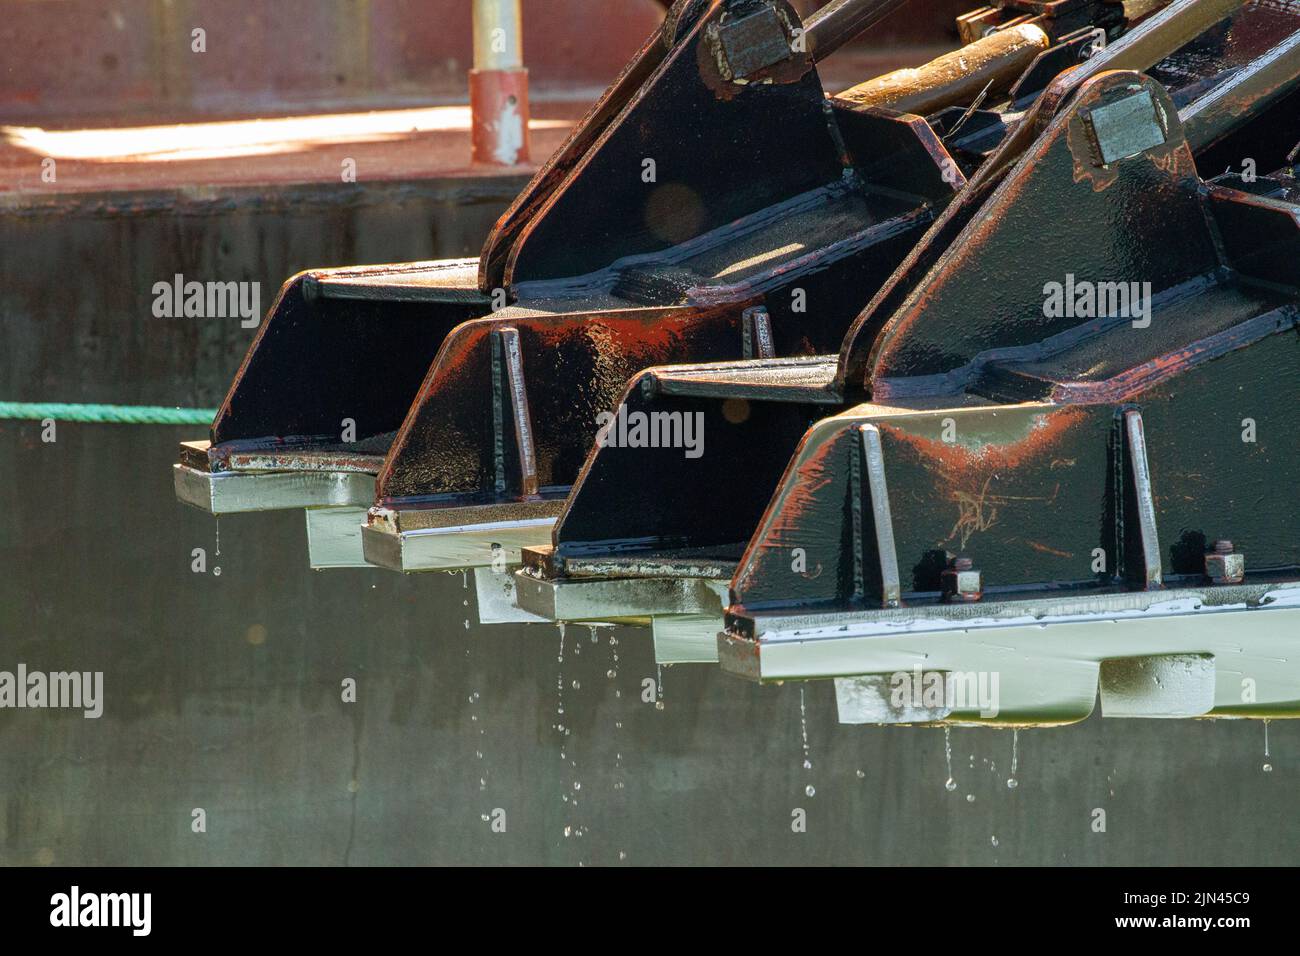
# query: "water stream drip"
[[810, 790], [950, 784], [613, 671], [559, 680], [618, 724], [1012, 783], [570, 795], [474, 698], [1268, 767], [216, 568]]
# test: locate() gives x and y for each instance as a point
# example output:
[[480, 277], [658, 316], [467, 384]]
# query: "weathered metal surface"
[[233, 493], [1088, 517], [1024, 491], [812, 231], [494, 590], [1047, 652], [617, 599], [1057, 18], [596, 298], [454, 538], [613, 508], [731, 160], [317, 362], [686, 638], [1167, 685], [1029, 484], [989, 65], [841, 20], [334, 538], [1152, 42]]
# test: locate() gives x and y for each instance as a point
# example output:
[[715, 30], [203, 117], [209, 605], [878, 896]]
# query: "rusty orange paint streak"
[[956, 459], [1044, 549], [968, 471], [798, 496], [979, 512]]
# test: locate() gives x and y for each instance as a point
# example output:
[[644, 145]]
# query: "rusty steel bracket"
[[1077, 172], [809, 245], [798, 207], [343, 352], [802, 204], [1102, 426]]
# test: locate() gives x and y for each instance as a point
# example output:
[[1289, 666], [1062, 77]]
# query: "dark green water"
[[224, 693]]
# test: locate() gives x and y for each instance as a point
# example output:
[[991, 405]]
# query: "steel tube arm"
[[841, 21]]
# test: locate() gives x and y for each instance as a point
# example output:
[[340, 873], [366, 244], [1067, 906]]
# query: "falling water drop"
[[861, 775], [618, 724], [1012, 783], [950, 784], [1268, 767], [803, 727], [803, 734]]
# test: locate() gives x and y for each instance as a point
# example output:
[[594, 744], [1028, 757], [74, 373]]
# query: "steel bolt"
[[961, 582], [1223, 565]]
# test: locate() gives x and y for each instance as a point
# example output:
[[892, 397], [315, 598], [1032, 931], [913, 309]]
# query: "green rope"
[[109, 414]]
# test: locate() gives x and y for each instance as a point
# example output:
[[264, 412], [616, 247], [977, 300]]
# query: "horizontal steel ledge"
[[235, 493], [618, 599], [1048, 657], [454, 548], [495, 590], [334, 538], [686, 638]]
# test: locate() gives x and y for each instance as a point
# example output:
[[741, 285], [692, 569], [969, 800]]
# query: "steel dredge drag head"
[[961, 335], [1085, 459], [1052, 324], [453, 403]]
